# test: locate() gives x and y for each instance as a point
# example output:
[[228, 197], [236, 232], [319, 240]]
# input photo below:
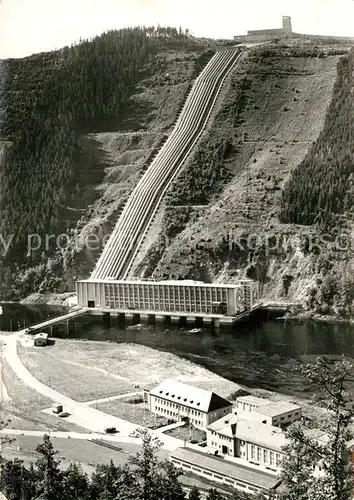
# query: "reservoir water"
[[261, 353]]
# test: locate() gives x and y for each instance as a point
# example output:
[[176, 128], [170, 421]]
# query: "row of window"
[[158, 306], [175, 415], [182, 408], [163, 291], [282, 418], [265, 456]]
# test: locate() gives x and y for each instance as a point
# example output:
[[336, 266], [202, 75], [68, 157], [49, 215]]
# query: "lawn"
[[25, 405], [81, 381], [187, 433], [136, 413], [103, 369]]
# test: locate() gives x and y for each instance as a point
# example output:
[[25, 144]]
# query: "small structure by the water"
[[40, 339]]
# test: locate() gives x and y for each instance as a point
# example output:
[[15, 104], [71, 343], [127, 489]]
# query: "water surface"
[[261, 353]]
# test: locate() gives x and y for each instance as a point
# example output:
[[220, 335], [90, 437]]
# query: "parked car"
[[63, 414], [110, 430]]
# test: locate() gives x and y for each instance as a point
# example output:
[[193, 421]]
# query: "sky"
[[31, 26]]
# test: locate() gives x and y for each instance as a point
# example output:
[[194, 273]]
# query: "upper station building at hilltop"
[[268, 34]]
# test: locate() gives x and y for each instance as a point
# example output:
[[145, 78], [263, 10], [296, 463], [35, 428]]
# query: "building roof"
[[169, 283], [261, 434], [248, 475], [239, 426], [253, 400], [277, 408], [41, 335], [225, 425], [190, 396]]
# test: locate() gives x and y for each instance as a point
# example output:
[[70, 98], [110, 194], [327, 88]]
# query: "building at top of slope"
[[286, 32], [268, 34]]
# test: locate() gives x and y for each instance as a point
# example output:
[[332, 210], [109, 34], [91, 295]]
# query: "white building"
[[246, 479], [268, 412], [250, 440], [249, 403], [40, 339], [179, 401], [169, 296], [278, 413]]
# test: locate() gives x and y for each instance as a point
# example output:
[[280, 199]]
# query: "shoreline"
[[319, 318], [64, 300]]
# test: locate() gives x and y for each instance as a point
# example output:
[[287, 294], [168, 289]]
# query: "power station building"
[[268, 34], [168, 296]]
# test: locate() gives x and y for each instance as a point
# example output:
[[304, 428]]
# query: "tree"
[[111, 482], [49, 477], [76, 483], [214, 494], [297, 466], [194, 494], [329, 379], [157, 479], [12, 478]]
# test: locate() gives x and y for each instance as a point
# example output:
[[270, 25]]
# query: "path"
[[71, 435]]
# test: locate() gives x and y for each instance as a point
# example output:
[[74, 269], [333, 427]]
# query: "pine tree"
[[76, 483], [214, 494], [297, 466], [49, 477], [157, 479], [194, 494]]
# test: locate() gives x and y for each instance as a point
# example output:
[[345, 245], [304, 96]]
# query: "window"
[[271, 458], [253, 452], [265, 456], [258, 454], [242, 443]]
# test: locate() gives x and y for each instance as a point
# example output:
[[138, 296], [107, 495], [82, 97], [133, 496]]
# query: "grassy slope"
[[285, 111]]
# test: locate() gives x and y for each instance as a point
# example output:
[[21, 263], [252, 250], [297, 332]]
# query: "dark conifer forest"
[[321, 187], [49, 101]]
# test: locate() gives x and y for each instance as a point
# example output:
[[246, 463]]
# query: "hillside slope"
[[221, 218], [281, 120], [81, 126]]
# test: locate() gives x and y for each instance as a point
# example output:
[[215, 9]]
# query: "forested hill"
[[49, 101], [321, 188]]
